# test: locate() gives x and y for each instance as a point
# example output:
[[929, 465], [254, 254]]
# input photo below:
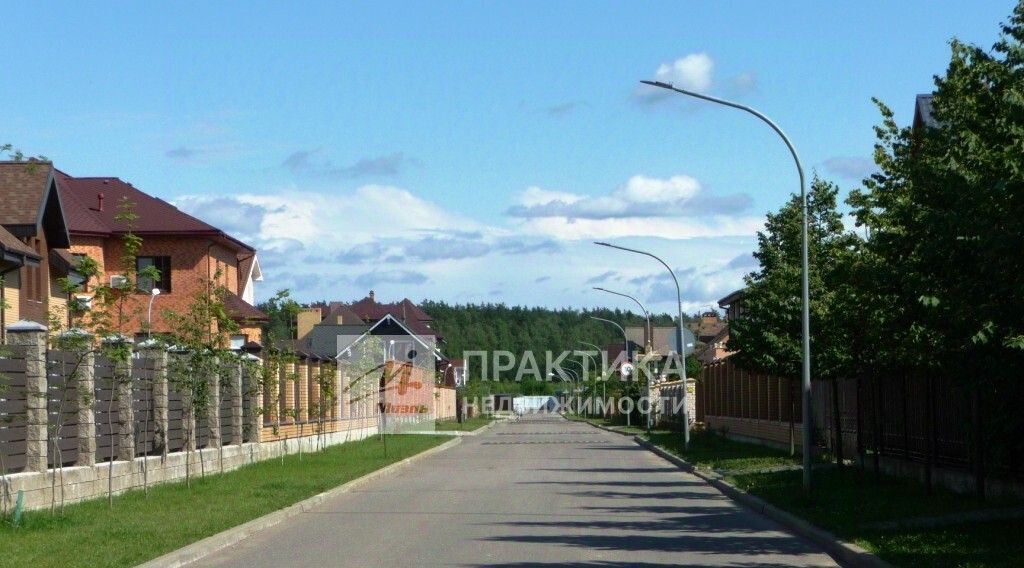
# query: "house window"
[[238, 341], [162, 264]]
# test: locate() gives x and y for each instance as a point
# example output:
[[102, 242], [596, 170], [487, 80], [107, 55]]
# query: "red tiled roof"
[[239, 309], [84, 214], [405, 311]]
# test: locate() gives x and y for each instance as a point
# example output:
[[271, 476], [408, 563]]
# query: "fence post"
[[86, 415], [161, 420], [235, 388], [213, 405], [122, 389], [256, 405], [32, 337], [344, 397], [302, 384]]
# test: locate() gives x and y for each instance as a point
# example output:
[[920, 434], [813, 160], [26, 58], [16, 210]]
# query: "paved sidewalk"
[[536, 492]]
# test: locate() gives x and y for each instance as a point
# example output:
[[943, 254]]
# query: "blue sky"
[[471, 151]]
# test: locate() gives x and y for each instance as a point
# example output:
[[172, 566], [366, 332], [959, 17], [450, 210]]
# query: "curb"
[[200, 549], [458, 433], [846, 553]]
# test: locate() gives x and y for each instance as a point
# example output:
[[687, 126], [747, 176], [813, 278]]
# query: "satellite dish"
[[626, 369], [411, 354]]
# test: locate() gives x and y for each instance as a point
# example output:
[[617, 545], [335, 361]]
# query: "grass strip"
[[470, 424], [140, 528], [846, 500]]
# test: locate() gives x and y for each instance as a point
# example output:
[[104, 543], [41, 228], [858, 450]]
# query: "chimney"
[[371, 295], [99, 202]]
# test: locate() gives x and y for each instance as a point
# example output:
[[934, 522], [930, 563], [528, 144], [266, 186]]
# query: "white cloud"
[[691, 72], [674, 207], [668, 228], [642, 189], [536, 196]]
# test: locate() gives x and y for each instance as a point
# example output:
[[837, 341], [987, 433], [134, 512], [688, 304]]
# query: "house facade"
[[327, 329], [192, 256], [34, 244]]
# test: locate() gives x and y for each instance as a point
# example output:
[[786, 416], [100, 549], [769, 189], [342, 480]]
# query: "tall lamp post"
[[679, 335], [650, 332], [624, 338], [806, 316], [604, 379]]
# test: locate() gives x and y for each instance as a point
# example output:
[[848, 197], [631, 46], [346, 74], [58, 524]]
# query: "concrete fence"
[[73, 423]]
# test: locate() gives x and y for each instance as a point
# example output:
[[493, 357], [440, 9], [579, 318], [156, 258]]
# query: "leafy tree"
[[769, 336], [281, 310]]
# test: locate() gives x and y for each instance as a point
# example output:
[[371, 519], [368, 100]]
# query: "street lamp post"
[[679, 334], [149, 314], [624, 339], [580, 382], [650, 332], [604, 379], [806, 294]]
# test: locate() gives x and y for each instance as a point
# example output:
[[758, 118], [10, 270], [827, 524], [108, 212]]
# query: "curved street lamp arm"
[[649, 332], [805, 284]]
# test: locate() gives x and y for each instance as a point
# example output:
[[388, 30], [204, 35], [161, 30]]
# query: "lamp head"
[[155, 291], [660, 84]]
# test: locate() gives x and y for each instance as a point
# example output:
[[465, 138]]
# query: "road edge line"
[[211, 544]]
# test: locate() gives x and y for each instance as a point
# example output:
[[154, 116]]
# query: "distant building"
[[327, 329]]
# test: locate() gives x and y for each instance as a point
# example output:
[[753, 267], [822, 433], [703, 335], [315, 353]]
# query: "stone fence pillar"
[[256, 400], [235, 389], [213, 405], [86, 414], [31, 337], [161, 417]]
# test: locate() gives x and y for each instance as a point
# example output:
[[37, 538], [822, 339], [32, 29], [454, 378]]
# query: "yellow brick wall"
[[12, 296]]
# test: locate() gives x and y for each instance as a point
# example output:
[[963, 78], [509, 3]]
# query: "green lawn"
[[468, 425], [140, 528], [847, 500], [711, 451]]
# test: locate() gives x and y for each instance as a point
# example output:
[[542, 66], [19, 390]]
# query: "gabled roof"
[[731, 298], [30, 199], [388, 318], [241, 310], [94, 203], [409, 313], [924, 114], [13, 250]]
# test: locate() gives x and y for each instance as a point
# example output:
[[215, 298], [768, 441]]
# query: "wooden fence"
[[920, 419]]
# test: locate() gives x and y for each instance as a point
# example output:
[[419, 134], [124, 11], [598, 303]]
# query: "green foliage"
[[281, 310], [768, 336], [497, 327]]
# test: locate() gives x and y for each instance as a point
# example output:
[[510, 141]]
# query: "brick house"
[[189, 253], [34, 243], [323, 329]]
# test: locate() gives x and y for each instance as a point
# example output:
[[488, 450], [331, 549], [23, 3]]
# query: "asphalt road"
[[538, 492]]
